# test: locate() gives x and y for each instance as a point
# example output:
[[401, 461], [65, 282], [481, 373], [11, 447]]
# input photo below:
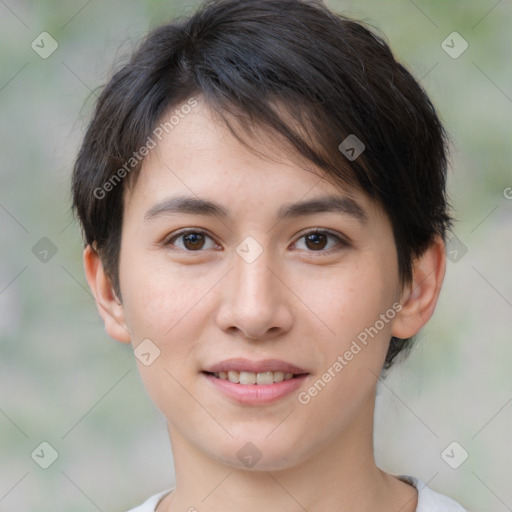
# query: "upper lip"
[[246, 365]]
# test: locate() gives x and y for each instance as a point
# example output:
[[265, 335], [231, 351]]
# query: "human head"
[[313, 79]]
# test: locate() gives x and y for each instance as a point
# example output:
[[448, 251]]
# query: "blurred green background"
[[63, 381]]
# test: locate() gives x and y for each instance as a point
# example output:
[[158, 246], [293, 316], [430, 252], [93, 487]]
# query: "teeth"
[[247, 378], [278, 376], [233, 376], [263, 378]]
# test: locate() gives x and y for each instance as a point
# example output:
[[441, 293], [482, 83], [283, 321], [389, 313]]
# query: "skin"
[[295, 302]]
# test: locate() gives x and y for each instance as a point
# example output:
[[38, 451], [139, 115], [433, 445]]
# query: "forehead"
[[201, 157]]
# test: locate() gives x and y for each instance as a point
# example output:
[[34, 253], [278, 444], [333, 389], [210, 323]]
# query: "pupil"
[[194, 240], [317, 240]]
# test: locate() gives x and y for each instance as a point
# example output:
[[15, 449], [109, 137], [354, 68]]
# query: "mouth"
[[248, 378], [255, 382]]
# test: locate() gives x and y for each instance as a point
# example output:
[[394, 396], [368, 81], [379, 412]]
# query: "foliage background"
[[63, 381]]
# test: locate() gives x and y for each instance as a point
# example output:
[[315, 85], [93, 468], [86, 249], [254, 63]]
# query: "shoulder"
[[151, 503], [429, 500]]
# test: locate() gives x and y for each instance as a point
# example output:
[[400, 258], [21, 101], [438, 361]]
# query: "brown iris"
[[193, 241], [316, 241]]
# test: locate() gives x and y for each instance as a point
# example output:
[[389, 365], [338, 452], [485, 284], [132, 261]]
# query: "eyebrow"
[[197, 206], [344, 205]]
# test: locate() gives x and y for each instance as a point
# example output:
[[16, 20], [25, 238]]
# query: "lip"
[[255, 394], [246, 365]]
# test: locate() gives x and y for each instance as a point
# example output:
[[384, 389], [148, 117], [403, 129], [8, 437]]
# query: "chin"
[[260, 454]]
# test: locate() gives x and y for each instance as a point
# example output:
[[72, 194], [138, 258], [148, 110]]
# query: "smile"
[[246, 378], [255, 382]]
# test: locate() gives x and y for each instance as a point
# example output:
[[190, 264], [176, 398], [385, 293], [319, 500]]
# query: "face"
[[241, 267]]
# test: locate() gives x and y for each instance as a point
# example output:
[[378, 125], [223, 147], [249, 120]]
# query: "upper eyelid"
[[186, 231], [323, 231], [343, 239]]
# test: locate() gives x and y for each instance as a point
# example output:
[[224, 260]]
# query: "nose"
[[255, 302]]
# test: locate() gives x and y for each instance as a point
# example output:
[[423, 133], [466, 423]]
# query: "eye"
[[191, 240], [319, 241]]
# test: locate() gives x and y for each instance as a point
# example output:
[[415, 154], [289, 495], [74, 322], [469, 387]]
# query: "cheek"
[[153, 299], [159, 306], [147, 304], [168, 306], [150, 292], [351, 303], [348, 299]]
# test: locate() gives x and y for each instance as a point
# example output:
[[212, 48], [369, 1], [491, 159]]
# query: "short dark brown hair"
[[335, 77]]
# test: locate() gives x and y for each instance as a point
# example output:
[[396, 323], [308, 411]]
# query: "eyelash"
[[339, 245]]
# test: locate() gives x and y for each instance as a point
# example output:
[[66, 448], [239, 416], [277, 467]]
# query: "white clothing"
[[428, 500]]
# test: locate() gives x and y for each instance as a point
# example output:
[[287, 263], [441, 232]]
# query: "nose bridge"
[[253, 302], [252, 277]]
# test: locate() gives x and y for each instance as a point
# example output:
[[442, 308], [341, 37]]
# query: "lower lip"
[[256, 393]]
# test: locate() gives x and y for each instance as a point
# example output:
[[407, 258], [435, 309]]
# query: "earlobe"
[[109, 306], [420, 297]]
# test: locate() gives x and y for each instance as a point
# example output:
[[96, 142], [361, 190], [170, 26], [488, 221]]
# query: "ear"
[[419, 298], [109, 306]]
